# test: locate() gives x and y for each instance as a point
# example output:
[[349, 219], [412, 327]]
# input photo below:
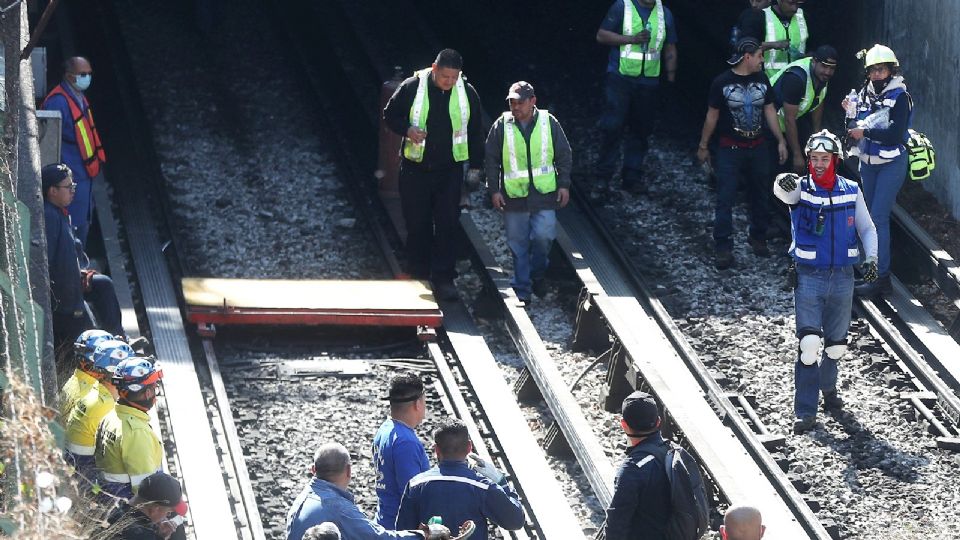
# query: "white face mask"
[[83, 81]]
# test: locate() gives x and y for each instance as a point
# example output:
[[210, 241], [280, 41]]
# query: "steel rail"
[[742, 470], [717, 396]]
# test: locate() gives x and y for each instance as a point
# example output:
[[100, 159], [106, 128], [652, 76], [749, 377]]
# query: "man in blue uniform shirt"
[[398, 453], [458, 493], [640, 507], [326, 499]]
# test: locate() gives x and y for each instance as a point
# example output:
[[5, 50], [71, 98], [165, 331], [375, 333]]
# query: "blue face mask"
[[83, 81]]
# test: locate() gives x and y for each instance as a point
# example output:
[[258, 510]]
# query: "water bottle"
[[853, 102], [435, 520], [649, 28]]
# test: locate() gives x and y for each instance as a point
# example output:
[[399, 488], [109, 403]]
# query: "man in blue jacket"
[[80, 148], [326, 499], [640, 507], [398, 454], [458, 493], [69, 284]]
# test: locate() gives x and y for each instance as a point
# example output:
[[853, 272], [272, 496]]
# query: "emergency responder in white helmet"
[[828, 214], [884, 112]]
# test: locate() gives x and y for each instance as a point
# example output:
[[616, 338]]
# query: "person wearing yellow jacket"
[[127, 449], [83, 377], [86, 415]]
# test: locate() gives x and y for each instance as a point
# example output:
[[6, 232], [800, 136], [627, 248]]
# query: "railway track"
[[625, 368]]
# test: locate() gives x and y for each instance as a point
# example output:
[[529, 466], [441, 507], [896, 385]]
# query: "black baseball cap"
[[161, 488], [640, 412], [53, 174], [520, 90], [826, 55], [744, 45]]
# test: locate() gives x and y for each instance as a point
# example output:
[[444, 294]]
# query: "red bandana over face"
[[829, 177]]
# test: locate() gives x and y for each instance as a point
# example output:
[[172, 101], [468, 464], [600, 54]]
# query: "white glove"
[[486, 468]]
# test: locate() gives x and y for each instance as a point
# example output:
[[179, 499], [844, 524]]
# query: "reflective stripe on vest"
[[88, 140], [634, 60], [775, 60], [836, 246], [459, 107], [869, 147], [806, 103], [79, 449], [516, 171]]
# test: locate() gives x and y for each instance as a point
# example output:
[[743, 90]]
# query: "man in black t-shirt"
[[739, 102]]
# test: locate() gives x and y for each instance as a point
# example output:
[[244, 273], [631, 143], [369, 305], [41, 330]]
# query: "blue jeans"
[[823, 299], [754, 165], [529, 236], [628, 105], [880, 184]]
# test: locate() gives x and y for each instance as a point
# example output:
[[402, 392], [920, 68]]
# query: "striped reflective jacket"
[[824, 224], [87, 138]]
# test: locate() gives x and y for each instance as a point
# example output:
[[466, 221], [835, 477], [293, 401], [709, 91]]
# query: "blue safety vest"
[[824, 224], [887, 100]]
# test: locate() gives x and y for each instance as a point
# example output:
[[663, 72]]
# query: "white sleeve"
[[866, 228], [788, 197]]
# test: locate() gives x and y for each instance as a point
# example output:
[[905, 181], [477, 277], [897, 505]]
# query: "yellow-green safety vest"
[[85, 419], [73, 391], [775, 60], [516, 171], [637, 59], [127, 449], [806, 103], [459, 118]]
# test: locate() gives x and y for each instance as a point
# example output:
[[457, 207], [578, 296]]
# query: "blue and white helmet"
[[108, 354], [86, 344], [135, 373]]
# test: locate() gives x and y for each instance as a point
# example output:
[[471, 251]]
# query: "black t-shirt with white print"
[[740, 100]]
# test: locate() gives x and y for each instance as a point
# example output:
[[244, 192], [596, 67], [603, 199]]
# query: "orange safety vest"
[[88, 140]]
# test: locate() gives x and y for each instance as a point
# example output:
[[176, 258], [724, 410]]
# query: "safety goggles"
[[823, 144], [149, 380]]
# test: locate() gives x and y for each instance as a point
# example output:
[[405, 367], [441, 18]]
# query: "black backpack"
[[690, 513]]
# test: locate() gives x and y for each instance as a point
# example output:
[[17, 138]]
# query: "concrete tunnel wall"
[[924, 35]]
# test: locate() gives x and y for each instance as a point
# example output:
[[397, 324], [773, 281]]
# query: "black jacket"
[[640, 506], [66, 290], [128, 523], [439, 152]]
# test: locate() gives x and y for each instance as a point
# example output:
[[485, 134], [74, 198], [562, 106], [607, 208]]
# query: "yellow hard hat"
[[878, 54]]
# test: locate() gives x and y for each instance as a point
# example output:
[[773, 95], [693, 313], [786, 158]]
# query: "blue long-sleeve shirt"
[[322, 501], [398, 456], [66, 290], [69, 149], [457, 493]]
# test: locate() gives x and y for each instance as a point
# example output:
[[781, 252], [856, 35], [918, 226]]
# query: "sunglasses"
[[72, 186]]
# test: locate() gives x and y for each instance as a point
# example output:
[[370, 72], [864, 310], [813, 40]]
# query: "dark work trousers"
[[103, 300], [430, 200], [754, 165], [632, 107]]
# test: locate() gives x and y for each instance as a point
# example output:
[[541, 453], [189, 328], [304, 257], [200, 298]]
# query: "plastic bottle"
[[853, 102], [649, 28], [435, 520]]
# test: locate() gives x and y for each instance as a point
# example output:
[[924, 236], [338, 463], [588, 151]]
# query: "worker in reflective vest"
[[642, 40], [528, 163], [884, 113], [80, 146], [798, 89], [436, 101], [127, 449], [786, 35]]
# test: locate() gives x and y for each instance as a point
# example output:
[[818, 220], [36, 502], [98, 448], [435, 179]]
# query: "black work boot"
[[832, 401], [804, 424]]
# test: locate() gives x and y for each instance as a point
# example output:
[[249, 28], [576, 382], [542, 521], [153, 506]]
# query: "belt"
[[748, 134], [729, 142]]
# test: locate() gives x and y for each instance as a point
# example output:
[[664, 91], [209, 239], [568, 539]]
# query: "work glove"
[[473, 179], [486, 468], [870, 272], [435, 531], [787, 181]]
